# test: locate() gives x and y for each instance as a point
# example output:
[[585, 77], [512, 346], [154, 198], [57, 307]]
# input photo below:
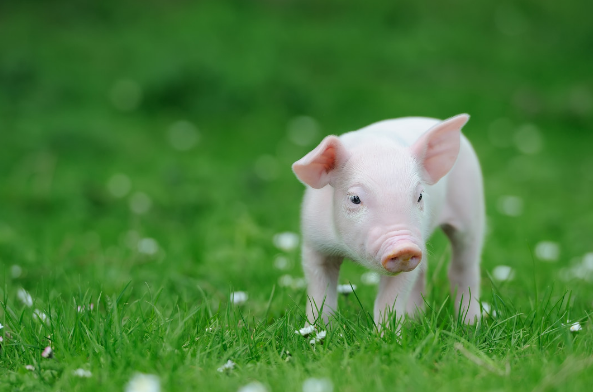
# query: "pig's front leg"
[[393, 295], [322, 273]]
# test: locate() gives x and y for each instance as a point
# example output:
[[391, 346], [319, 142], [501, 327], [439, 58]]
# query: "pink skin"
[[375, 196]]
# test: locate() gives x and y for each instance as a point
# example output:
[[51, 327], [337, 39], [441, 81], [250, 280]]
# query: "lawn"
[[145, 154]]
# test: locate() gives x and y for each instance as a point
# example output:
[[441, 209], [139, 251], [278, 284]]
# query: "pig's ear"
[[314, 169], [437, 149]]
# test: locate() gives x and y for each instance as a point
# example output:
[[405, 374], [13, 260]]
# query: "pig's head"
[[381, 204]]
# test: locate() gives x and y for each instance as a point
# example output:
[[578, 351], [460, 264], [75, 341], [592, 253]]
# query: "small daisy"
[[286, 241], [30, 367], [281, 262], [253, 387], [318, 385], [47, 352], [306, 331], [487, 310], [82, 373], [83, 308], [370, 278], [40, 316], [346, 288], [318, 338], [227, 367], [144, 383], [547, 251], [510, 205], [239, 297], [503, 273], [24, 297], [299, 283], [576, 327]]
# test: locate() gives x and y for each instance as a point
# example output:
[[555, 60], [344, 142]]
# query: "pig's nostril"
[[403, 260]]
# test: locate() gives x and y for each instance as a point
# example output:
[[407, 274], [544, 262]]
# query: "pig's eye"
[[355, 199], [420, 198]]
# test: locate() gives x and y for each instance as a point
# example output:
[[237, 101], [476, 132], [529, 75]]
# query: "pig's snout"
[[402, 259]]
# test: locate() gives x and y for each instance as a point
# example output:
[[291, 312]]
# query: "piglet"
[[375, 195]]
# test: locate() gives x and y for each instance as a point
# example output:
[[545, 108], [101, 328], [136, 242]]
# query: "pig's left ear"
[[438, 148], [315, 168]]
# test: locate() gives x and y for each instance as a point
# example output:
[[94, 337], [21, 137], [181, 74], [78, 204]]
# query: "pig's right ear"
[[314, 169]]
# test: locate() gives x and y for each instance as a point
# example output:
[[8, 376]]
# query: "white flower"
[[16, 271], [576, 327], [140, 203], [510, 205], [318, 385], [119, 185], [346, 289], [294, 283], [306, 331], [370, 278], [547, 251], [24, 297], [286, 241], [47, 352], [82, 373], [228, 366], [144, 383], [299, 283], [148, 246], [588, 261], [281, 262], [40, 316], [239, 297], [503, 273], [1, 326], [487, 310], [285, 281], [253, 387], [83, 308], [486, 307], [318, 338], [30, 367]]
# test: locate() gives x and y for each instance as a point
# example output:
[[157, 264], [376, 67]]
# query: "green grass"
[[241, 71]]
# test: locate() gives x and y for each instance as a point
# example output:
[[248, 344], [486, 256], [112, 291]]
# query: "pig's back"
[[402, 131]]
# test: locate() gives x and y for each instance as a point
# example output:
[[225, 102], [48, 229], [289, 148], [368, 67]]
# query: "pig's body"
[[388, 233]]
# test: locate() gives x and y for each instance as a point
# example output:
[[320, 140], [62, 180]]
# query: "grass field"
[[145, 156]]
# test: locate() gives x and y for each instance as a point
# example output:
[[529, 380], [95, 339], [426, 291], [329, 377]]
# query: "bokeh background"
[[151, 142]]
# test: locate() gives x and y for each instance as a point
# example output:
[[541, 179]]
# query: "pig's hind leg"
[[322, 274], [464, 271], [464, 224]]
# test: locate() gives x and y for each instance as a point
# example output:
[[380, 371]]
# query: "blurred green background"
[[152, 141]]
